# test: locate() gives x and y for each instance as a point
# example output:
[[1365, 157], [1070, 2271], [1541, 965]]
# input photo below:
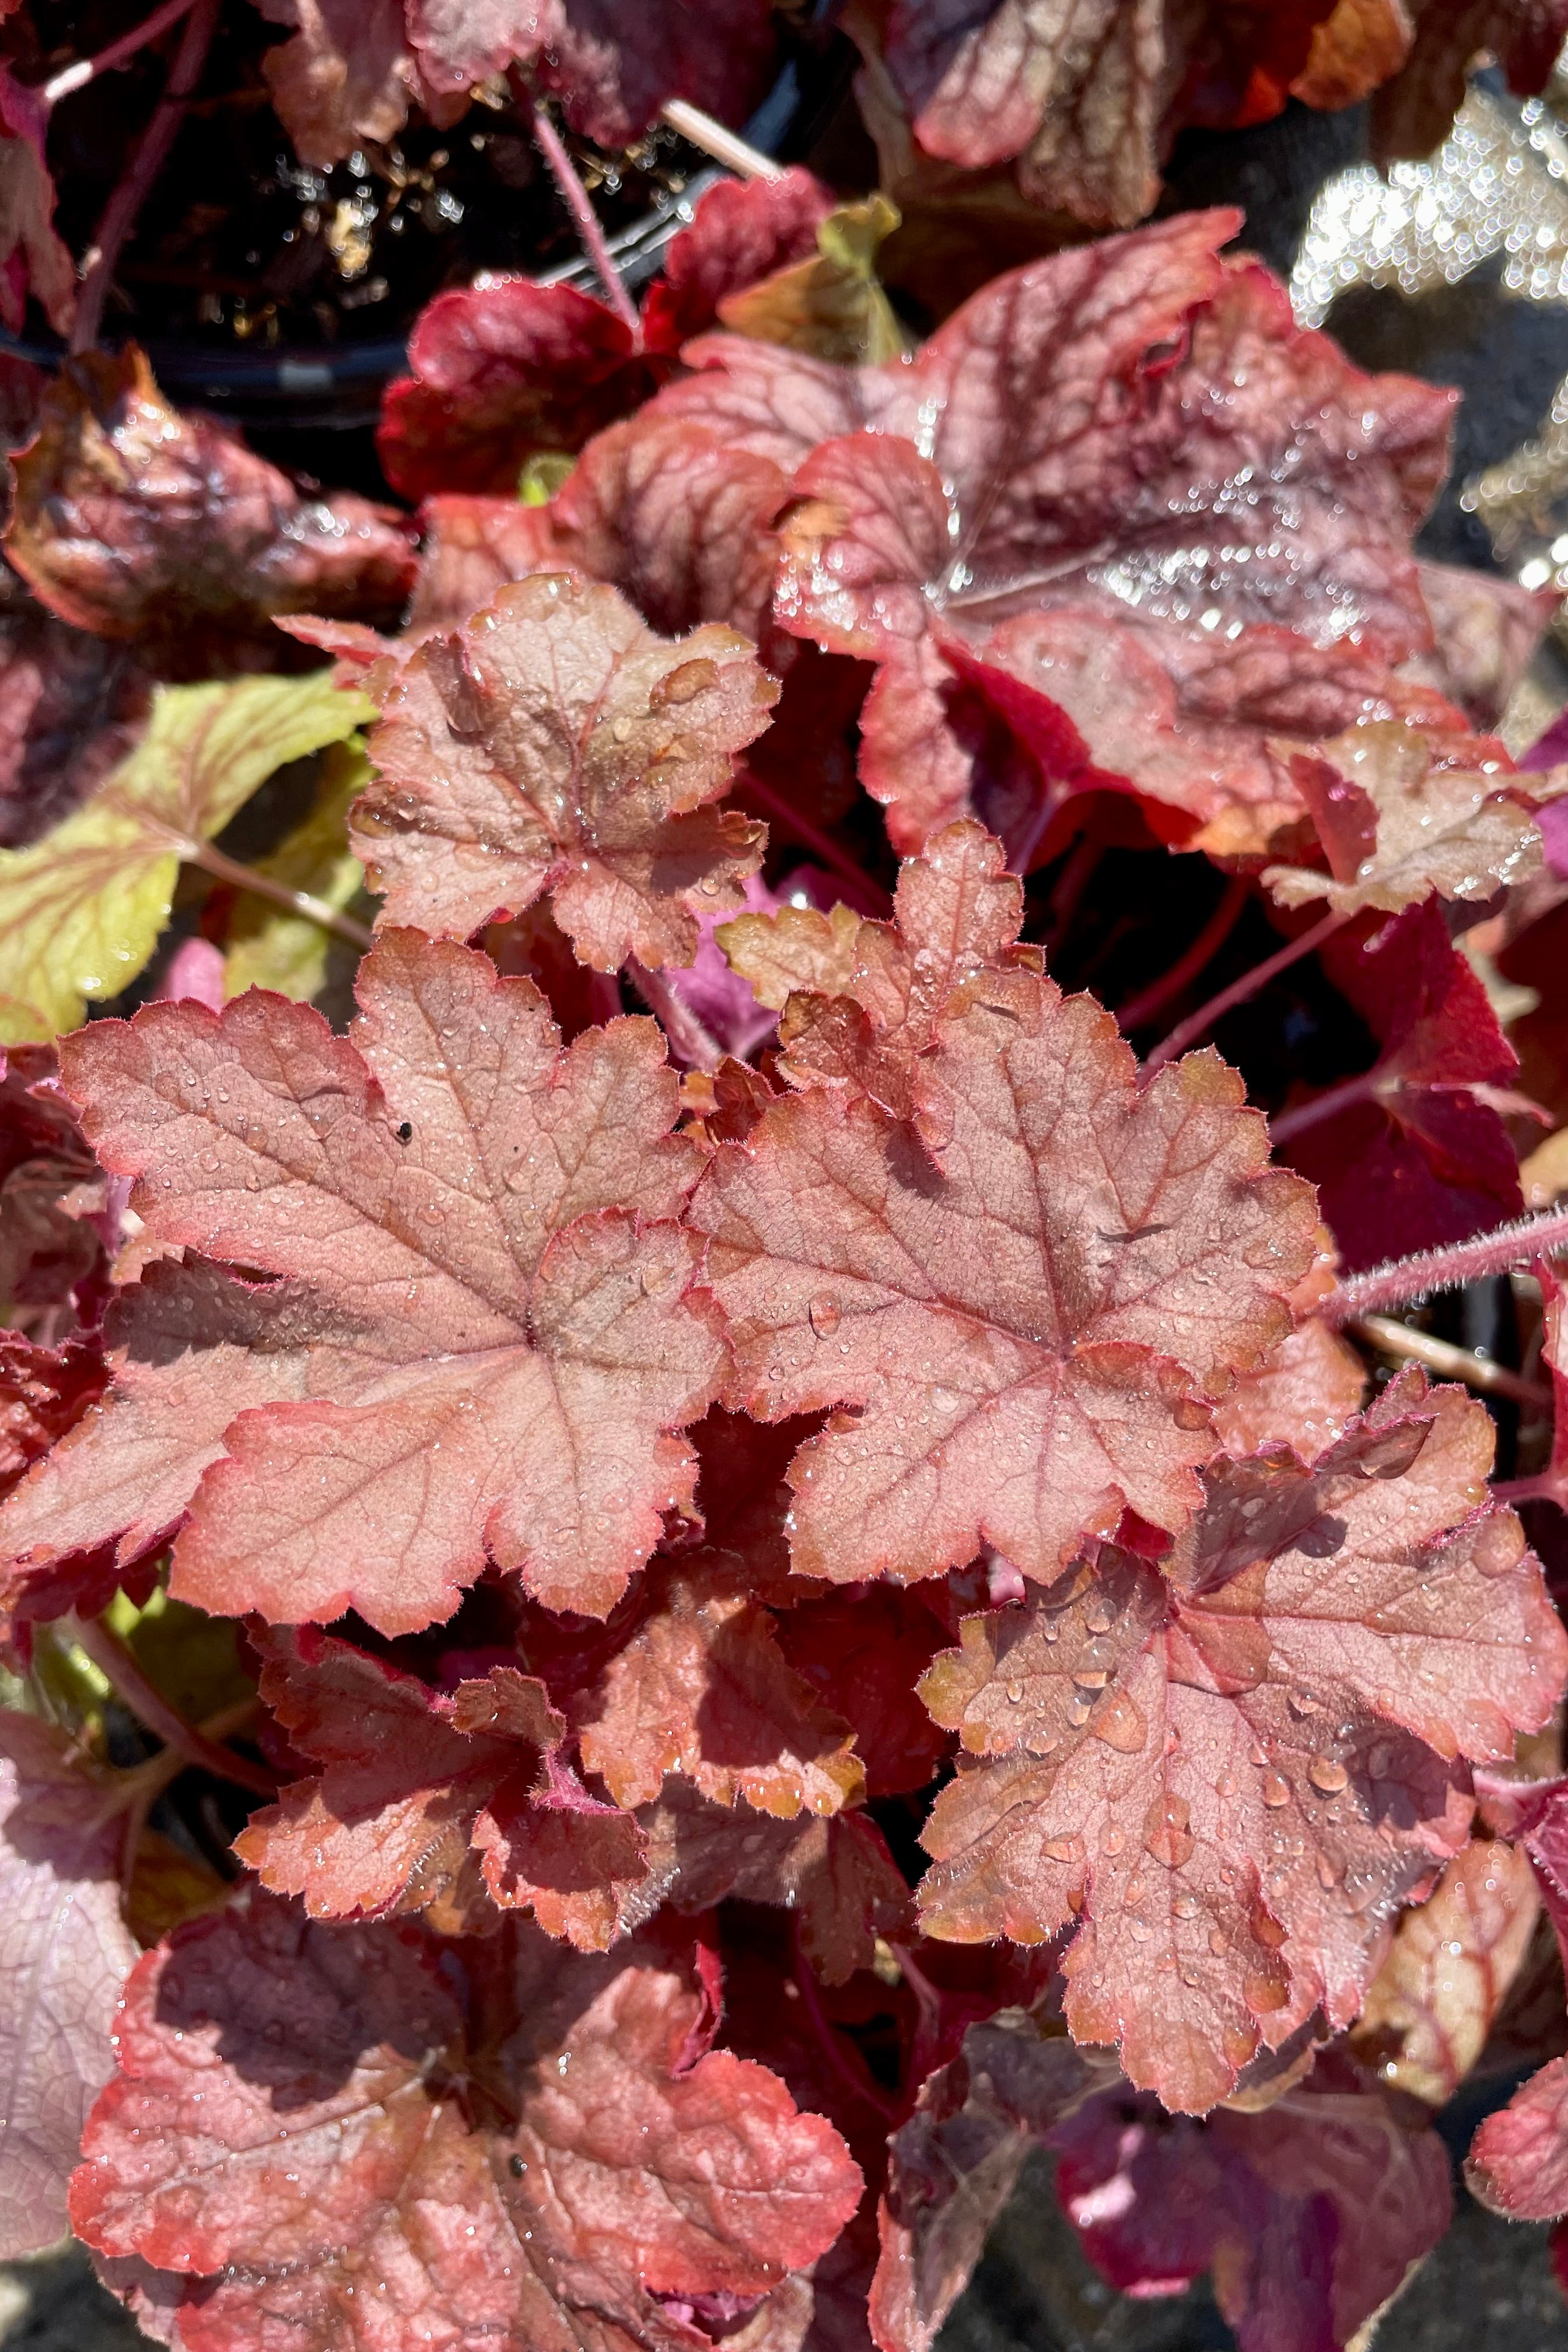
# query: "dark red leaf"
[[613, 63], [140, 523], [863, 1654], [1421, 1157], [501, 371], [741, 230], [1308, 2215]]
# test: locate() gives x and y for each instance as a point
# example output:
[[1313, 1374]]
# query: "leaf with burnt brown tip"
[[607, 2165], [556, 743], [466, 1298], [1232, 1769]]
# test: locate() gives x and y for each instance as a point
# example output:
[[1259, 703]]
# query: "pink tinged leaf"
[[1233, 1771], [64, 1953], [478, 1308], [741, 232], [1309, 2215], [1518, 2163], [1430, 2007], [330, 2176], [500, 372], [1009, 1370], [556, 744]]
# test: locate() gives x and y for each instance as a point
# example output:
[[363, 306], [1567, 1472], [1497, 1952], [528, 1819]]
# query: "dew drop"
[[1327, 1775], [207, 1159], [825, 1315], [1185, 1906], [1276, 1791], [1100, 1616], [653, 1280]]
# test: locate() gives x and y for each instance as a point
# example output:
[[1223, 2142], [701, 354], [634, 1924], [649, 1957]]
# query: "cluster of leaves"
[[747, 1608]]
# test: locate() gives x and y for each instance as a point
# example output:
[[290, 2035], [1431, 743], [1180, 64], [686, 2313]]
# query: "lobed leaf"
[[467, 1314], [334, 2182], [1233, 1769], [556, 744]]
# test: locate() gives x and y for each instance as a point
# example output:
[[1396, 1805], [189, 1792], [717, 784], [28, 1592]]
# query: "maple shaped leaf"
[[1000, 1295], [862, 999], [1430, 2007], [702, 1688], [1234, 1770], [1401, 815], [556, 744], [414, 1784], [1414, 1153], [137, 522], [83, 910], [607, 2170], [466, 1305], [63, 1955], [1309, 2215]]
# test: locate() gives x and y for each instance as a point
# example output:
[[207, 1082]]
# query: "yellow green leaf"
[[268, 946], [833, 305], [82, 910]]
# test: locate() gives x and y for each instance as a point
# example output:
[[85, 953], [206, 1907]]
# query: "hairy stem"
[[1450, 1362], [852, 2072], [688, 1034], [726, 147], [119, 213], [1198, 1025], [604, 997], [112, 1658], [1546, 1487], [1153, 999], [1405, 1279], [262, 885], [118, 53], [579, 203]]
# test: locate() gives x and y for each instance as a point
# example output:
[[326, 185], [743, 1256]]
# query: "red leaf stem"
[[585, 220], [119, 213], [1189, 964], [1198, 1025], [119, 53], [111, 1656]]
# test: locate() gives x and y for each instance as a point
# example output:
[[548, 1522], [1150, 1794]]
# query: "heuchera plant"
[[704, 1527]]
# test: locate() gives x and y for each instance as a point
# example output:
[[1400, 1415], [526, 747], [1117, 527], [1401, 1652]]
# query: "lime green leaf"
[[268, 947], [80, 911], [833, 305]]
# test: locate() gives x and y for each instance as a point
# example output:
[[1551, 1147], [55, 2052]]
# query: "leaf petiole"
[[264, 886], [111, 1655], [1198, 1025], [1402, 1279]]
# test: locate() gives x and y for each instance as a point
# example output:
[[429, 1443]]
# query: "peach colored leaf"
[[463, 1276], [1024, 1303], [1437, 820], [338, 2183], [414, 1786], [1304, 1395], [1234, 1770], [1430, 2006], [556, 743], [701, 1689], [63, 1954]]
